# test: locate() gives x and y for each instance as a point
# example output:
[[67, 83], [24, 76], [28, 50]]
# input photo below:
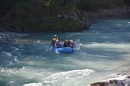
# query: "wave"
[[62, 77], [6, 54]]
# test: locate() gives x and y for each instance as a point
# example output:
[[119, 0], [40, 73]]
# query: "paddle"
[[77, 44]]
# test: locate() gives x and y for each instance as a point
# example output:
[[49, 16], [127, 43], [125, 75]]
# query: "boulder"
[[67, 22], [122, 80]]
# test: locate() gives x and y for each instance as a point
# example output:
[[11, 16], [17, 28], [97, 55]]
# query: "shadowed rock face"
[[68, 22], [65, 21], [77, 21]]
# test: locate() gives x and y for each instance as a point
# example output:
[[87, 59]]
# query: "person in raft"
[[55, 36], [55, 43], [66, 43], [71, 43]]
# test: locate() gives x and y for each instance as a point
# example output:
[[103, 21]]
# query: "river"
[[105, 52]]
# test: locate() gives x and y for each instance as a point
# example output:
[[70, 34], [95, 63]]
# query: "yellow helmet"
[[66, 40], [54, 39]]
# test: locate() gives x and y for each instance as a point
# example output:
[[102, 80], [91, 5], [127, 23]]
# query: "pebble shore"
[[6, 36]]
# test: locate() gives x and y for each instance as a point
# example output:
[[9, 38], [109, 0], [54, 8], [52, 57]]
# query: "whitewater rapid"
[[105, 52]]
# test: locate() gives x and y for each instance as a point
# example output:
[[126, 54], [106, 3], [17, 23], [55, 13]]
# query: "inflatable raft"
[[63, 49]]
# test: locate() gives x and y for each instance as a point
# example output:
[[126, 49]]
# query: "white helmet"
[[55, 35], [71, 40]]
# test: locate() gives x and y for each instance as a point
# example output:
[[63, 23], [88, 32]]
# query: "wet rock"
[[76, 21], [99, 84], [6, 36], [122, 80]]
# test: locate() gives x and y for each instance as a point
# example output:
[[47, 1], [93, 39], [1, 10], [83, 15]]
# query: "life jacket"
[[65, 44], [53, 43], [56, 38], [71, 44], [57, 44]]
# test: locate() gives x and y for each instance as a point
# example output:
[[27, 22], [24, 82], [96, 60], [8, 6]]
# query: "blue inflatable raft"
[[63, 49]]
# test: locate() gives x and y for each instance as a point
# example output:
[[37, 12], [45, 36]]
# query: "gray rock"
[[6, 36]]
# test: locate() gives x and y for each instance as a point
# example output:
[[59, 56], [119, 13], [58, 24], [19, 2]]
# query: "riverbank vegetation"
[[50, 15]]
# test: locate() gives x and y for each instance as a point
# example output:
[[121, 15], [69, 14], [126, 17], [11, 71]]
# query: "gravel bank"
[[6, 36]]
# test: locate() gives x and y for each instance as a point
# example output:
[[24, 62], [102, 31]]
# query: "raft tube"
[[63, 49]]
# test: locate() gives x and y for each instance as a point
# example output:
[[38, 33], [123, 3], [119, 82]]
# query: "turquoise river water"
[[105, 52]]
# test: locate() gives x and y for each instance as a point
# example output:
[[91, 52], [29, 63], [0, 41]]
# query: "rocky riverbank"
[[121, 80], [6, 36]]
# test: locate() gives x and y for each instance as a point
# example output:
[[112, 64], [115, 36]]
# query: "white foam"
[[10, 63], [34, 84], [2, 69], [71, 74], [11, 82], [6, 54], [15, 58], [58, 78], [15, 48], [107, 45], [38, 41]]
